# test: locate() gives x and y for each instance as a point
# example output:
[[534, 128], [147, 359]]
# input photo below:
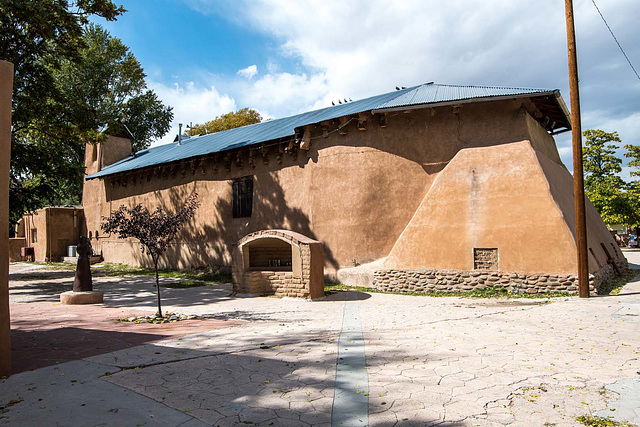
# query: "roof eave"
[[563, 107], [463, 101]]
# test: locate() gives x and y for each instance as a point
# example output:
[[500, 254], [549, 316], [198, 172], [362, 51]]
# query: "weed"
[[592, 421], [615, 285], [197, 277], [488, 292]]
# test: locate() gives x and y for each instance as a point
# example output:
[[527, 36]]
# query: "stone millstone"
[[85, 297]]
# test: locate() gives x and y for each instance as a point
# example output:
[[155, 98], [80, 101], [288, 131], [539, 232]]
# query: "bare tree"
[[154, 230]]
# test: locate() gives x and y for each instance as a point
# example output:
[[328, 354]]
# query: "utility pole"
[[578, 174]]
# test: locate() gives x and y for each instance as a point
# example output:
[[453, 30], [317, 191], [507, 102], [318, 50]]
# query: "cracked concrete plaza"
[[429, 361]]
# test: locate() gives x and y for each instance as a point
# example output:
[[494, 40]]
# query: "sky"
[[205, 58]]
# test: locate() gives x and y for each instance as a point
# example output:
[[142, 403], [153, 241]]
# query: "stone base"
[[89, 297]]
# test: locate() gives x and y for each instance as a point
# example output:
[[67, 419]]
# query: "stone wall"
[[432, 280], [273, 282]]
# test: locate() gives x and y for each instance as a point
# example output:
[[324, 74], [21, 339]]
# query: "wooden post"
[[6, 88], [578, 175]]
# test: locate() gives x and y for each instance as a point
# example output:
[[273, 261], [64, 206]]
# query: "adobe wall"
[[355, 193], [15, 248], [6, 89], [510, 198], [51, 230]]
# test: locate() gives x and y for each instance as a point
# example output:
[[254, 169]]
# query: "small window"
[[242, 196], [34, 236]]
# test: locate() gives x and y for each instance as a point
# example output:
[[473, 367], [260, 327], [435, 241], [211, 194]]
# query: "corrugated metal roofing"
[[437, 93], [425, 94]]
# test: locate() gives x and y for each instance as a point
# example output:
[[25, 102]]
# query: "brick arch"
[[290, 237]]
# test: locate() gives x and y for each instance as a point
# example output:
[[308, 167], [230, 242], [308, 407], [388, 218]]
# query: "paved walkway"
[[429, 361]]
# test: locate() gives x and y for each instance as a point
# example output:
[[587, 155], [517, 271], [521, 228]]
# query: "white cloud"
[[248, 72], [191, 103], [361, 48], [272, 66]]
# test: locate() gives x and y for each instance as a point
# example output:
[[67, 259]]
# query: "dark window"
[[242, 196]]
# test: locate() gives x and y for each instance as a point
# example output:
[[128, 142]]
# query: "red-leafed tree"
[[154, 230]]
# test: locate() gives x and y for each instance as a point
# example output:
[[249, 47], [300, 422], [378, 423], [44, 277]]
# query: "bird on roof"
[[339, 102], [397, 88], [345, 100], [333, 103]]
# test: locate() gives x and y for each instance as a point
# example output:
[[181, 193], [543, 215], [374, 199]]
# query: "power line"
[[614, 37]]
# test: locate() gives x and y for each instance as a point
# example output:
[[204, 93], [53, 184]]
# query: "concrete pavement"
[[429, 361]]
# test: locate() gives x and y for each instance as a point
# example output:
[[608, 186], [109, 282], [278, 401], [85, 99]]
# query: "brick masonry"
[[304, 278], [431, 280]]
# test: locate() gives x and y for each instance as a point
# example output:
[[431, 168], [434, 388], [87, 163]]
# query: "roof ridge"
[[492, 87]]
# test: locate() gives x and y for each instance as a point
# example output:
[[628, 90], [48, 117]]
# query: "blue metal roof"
[[426, 94]]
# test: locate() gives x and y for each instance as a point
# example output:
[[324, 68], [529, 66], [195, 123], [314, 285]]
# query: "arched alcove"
[[279, 262]]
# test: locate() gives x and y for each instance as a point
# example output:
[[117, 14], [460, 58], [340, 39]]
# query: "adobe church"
[[432, 187]]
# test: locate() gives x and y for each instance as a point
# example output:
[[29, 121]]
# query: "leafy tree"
[[227, 121], [633, 187], [604, 187], [633, 152], [71, 78], [106, 86], [36, 36], [154, 230], [599, 154]]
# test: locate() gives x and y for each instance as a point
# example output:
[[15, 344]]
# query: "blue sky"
[[208, 57]]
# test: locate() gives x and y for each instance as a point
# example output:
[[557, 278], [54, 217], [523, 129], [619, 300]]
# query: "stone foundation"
[[432, 280]]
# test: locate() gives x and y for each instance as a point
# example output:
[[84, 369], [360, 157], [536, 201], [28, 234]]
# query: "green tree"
[[106, 86], [71, 79], [36, 36], [633, 188], [234, 119], [604, 187]]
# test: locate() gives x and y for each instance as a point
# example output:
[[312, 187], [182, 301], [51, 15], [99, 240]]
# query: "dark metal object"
[[578, 174], [82, 281]]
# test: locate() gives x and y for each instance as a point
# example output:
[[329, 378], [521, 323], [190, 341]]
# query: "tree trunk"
[[155, 265]]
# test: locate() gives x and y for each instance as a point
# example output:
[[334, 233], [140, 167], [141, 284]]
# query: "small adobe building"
[[430, 187], [46, 234]]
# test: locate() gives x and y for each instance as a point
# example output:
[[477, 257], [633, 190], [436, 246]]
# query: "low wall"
[[278, 283], [432, 280], [303, 279]]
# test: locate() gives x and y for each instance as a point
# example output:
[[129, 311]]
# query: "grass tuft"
[[192, 276], [488, 292], [615, 285], [592, 421]]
